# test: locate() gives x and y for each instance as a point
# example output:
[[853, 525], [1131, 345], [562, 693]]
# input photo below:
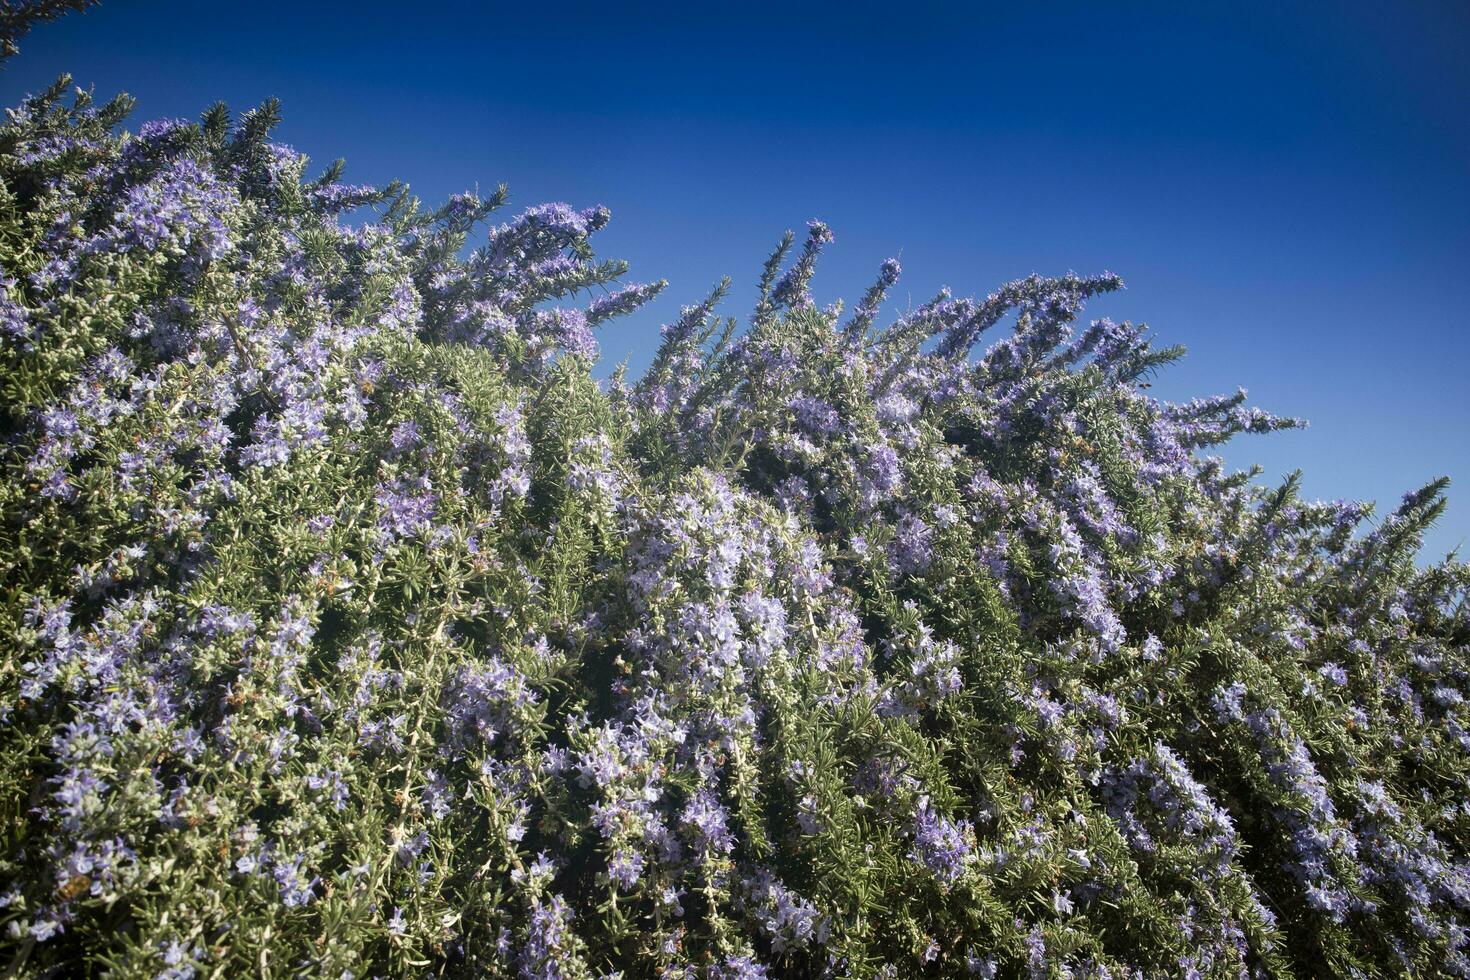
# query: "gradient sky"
[[1283, 187]]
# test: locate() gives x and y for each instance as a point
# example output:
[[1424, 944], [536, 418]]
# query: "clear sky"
[[1283, 186]]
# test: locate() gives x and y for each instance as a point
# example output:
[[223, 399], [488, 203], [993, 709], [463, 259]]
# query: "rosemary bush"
[[353, 629]]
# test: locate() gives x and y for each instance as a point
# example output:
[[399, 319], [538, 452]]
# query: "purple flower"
[[913, 547], [942, 845], [790, 921], [332, 783], [707, 818], [291, 877], [624, 868]]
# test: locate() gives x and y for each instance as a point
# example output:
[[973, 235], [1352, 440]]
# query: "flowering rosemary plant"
[[352, 629]]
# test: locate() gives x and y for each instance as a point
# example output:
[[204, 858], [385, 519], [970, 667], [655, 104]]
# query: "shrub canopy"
[[352, 628]]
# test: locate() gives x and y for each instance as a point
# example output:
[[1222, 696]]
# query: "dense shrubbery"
[[353, 629]]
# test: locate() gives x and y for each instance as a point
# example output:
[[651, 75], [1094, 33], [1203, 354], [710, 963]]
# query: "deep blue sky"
[[1282, 186]]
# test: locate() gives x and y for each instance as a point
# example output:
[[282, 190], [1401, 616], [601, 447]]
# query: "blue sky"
[[1282, 186]]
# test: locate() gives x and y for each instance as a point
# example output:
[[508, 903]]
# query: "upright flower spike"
[[623, 301], [867, 310], [793, 289]]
